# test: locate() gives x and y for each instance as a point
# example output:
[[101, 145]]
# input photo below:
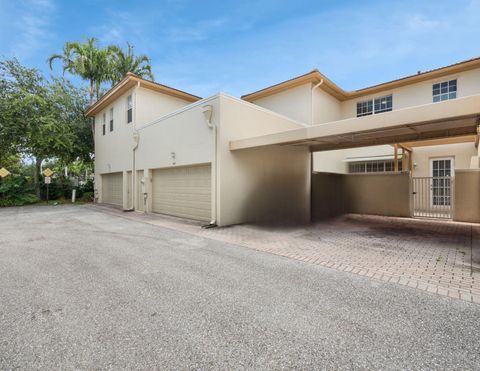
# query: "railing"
[[433, 197]]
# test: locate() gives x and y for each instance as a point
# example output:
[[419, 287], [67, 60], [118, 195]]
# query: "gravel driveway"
[[83, 289]]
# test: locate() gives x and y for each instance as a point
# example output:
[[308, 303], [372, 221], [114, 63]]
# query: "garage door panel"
[[112, 188], [183, 192]]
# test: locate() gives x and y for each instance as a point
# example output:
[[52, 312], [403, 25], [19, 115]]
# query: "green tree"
[[125, 61], [88, 61], [42, 119]]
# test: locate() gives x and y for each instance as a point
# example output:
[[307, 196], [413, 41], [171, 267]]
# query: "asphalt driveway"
[[84, 289]]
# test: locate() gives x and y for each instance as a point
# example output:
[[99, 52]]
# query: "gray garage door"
[[183, 191], [112, 188]]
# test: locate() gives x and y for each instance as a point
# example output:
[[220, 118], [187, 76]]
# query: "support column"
[[125, 189], [475, 160], [148, 176], [395, 158]]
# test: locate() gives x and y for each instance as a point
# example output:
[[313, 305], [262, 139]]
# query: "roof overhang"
[[313, 77], [458, 117], [329, 86], [129, 81]]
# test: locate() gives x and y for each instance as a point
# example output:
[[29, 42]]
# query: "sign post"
[[48, 178]]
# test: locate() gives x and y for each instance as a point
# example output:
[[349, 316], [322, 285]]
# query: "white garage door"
[[112, 188], [183, 192]]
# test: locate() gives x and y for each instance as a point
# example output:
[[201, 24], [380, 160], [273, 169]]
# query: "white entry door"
[[441, 171]]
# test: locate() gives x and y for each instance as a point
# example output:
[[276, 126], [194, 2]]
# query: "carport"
[[372, 194]]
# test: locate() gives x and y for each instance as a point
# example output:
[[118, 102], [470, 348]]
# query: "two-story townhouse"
[[225, 161], [167, 151], [408, 108], [305, 99]]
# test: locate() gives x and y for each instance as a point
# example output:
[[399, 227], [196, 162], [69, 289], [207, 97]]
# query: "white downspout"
[[207, 113], [312, 112]]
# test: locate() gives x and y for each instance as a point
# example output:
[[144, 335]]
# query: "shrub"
[[19, 200], [16, 190]]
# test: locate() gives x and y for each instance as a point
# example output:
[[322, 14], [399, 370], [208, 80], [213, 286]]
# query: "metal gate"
[[433, 197]]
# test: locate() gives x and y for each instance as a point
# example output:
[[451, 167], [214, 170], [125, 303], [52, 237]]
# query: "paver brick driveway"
[[436, 256], [82, 288]]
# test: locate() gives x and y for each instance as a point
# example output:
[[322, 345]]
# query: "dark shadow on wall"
[[375, 194]]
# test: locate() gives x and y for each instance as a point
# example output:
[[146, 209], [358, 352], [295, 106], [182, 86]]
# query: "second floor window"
[[104, 123], [111, 119], [377, 105], [364, 108], [444, 90], [383, 104], [129, 109]]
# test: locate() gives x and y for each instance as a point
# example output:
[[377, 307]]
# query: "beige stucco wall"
[[380, 194], [334, 194], [467, 196], [468, 83], [328, 195], [326, 108], [151, 105], [112, 150], [294, 103], [176, 140], [334, 161], [461, 153], [267, 184]]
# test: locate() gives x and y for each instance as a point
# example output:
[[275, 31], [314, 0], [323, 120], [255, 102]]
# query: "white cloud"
[[198, 31], [420, 22], [29, 27]]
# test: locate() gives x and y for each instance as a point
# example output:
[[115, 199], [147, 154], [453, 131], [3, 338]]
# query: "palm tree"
[[126, 61], [88, 61]]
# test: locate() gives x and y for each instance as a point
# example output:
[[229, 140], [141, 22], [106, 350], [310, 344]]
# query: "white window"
[[111, 119], [129, 109], [383, 104], [444, 90], [364, 108], [377, 105], [382, 166], [104, 123]]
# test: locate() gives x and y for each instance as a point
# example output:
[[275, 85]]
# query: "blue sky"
[[240, 46]]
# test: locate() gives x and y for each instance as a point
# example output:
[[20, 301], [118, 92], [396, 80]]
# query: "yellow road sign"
[[4, 172], [47, 172]]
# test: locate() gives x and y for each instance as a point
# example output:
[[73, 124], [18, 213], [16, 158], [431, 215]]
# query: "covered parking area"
[[333, 194]]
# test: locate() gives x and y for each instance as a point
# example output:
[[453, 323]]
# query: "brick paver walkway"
[[427, 255]]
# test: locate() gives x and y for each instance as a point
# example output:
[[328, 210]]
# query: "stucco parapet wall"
[[208, 100], [456, 108]]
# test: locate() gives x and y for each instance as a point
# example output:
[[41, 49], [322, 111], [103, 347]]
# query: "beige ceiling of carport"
[[453, 118]]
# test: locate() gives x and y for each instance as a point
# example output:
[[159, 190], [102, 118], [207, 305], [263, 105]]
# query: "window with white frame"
[[377, 105], [364, 108], [111, 119], [377, 166], [104, 123], [383, 104], [129, 109], [444, 90]]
